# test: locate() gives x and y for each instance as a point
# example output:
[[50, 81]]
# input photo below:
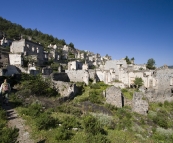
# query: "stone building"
[[28, 48], [75, 65]]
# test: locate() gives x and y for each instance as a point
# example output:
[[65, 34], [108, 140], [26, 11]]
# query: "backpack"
[[5, 87]]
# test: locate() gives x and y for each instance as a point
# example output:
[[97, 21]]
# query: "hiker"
[[5, 90]]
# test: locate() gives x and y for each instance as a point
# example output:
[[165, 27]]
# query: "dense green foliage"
[[138, 82], [127, 60], [15, 31], [151, 64], [37, 85]]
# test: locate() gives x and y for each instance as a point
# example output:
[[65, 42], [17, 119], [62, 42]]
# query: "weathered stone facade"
[[140, 103], [28, 48], [114, 96], [78, 76]]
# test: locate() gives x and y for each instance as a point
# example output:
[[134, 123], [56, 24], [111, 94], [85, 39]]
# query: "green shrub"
[[45, 121], [95, 86], [124, 90], [63, 134], [99, 138], [105, 120], [38, 86], [8, 135], [92, 125], [111, 107], [161, 119], [68, 109], [166, 103], [33, 110], [17, 101], [124, 118], [2, 114], [163, 135], [70, 122], [160, 104], [95, 97]]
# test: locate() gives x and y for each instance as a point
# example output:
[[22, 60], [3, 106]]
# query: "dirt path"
[[15, 121]]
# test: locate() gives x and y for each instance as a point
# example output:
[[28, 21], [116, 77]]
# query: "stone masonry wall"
[[114, 97], [60, 77], [78, 76], [140, 103]]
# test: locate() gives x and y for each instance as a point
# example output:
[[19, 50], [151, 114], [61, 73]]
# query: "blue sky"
[[142, 29]]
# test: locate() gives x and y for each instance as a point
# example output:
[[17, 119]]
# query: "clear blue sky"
[[142, 29]]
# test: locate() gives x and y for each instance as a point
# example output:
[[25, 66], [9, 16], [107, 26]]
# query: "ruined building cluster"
[[85, 65]]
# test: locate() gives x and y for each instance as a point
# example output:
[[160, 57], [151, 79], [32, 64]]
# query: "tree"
[[133, 59], [127, 60], [138, 82], [151, 64], [71, 45]]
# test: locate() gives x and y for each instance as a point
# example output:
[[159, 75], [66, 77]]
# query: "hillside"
[[15, 31], [87, 117]]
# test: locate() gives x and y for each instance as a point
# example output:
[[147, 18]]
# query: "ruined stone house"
[[26, 48]]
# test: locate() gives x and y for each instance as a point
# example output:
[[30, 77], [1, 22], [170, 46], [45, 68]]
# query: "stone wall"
[[140, 103], [91, 73], [163, 78], [78, 76], [115, 64], [60, 77], [17, 46], [15, 59], [114, 96]]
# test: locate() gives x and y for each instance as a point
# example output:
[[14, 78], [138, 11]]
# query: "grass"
[[123, 126], [128, 93]]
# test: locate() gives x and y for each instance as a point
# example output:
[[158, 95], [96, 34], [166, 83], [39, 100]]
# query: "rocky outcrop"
[[140, 103], [114, 96]]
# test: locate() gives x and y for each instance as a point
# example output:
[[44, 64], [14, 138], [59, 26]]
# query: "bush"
[[38, 86], [45, 121], [92, 125], [99, 138], [163, 135], [69, 110], [111, 107], [17, 101], [124, 118], [166, 103], [124, 90], [160, 104], [70, 122], [95, 97], [33, 110], [95, 86], [63, 134], [161, 119], [8, 135]]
